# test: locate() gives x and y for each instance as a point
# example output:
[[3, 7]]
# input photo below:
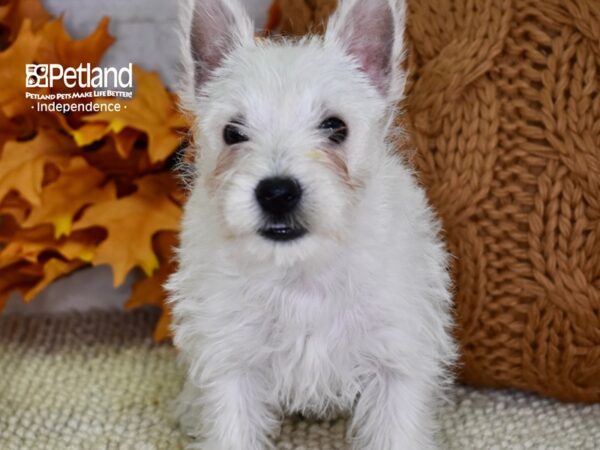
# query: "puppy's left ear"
[[372, 32]]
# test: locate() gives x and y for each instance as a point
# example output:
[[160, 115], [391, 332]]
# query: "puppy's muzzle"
[[279, 199]]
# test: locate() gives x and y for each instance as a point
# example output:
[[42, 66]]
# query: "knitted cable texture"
[[503, 109], [98, 382]]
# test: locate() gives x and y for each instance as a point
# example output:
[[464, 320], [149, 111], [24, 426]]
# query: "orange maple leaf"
[[13, 205], [52, 270], [22, 164], [12, 71], [14, 12], [78, 185], [20, 276], [162, 330], [8, 227], [57, 46], [93, 132], [150, 290], [62, 207], [131, 222], [107, 159], [29, 244], [8, 130], [152, 110]]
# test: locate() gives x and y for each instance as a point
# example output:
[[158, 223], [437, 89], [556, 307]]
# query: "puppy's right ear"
[[217, 28], [371, 31]]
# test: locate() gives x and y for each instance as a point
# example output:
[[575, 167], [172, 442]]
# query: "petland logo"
[[85, 81], [45, 75]]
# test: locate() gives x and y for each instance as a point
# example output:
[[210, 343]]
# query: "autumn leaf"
[[77, 188], [8, 130], [12, 71], [131, 222], [107, 159], [93, 132], [29, 244], [150, 290], [22, 164], [152, 110], [79, 245], [52, 270], [24, 127], [88, 133], [14, 12], [162, 330], [274, 18], [78, 185], [57, 46], [13, 205], [125, 141], [20, 276], [8, 227], [16, 241]]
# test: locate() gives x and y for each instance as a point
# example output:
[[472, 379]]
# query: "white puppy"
[[311, 277]]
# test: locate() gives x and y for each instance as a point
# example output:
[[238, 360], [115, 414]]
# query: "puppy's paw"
[[188, 424], [204, 445], [210, 444], [186, 410]]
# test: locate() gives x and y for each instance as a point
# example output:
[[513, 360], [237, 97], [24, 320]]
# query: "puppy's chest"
[[315, 360]]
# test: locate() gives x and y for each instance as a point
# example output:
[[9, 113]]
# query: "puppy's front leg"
[[235, 414], [393, 412]]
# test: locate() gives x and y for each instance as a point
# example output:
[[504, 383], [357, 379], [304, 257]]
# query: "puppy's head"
[[291, 133]]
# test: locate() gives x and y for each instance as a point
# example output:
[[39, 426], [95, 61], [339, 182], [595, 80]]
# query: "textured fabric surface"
[[503, 109], [98, 382]]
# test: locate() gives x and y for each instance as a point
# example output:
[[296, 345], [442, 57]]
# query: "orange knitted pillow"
[[503, 107]]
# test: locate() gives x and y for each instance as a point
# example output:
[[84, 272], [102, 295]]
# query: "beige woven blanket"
[[97, 382]]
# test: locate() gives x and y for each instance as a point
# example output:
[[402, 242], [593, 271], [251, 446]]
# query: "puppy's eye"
[[233, 135], [336, 129]]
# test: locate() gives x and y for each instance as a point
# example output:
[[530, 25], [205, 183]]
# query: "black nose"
[[278, 196]]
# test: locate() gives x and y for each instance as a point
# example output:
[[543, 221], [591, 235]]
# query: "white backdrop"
[[145, 29], [146, 35]]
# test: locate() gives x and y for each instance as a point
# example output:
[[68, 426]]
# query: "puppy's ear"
[[372, 32], [217, 28]]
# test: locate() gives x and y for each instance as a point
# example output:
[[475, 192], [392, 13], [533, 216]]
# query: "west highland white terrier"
[[311, 276]]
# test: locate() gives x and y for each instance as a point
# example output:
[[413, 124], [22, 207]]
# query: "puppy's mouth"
[[281, 232]]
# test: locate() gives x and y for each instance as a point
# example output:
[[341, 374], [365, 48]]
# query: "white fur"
[[354, 316]]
